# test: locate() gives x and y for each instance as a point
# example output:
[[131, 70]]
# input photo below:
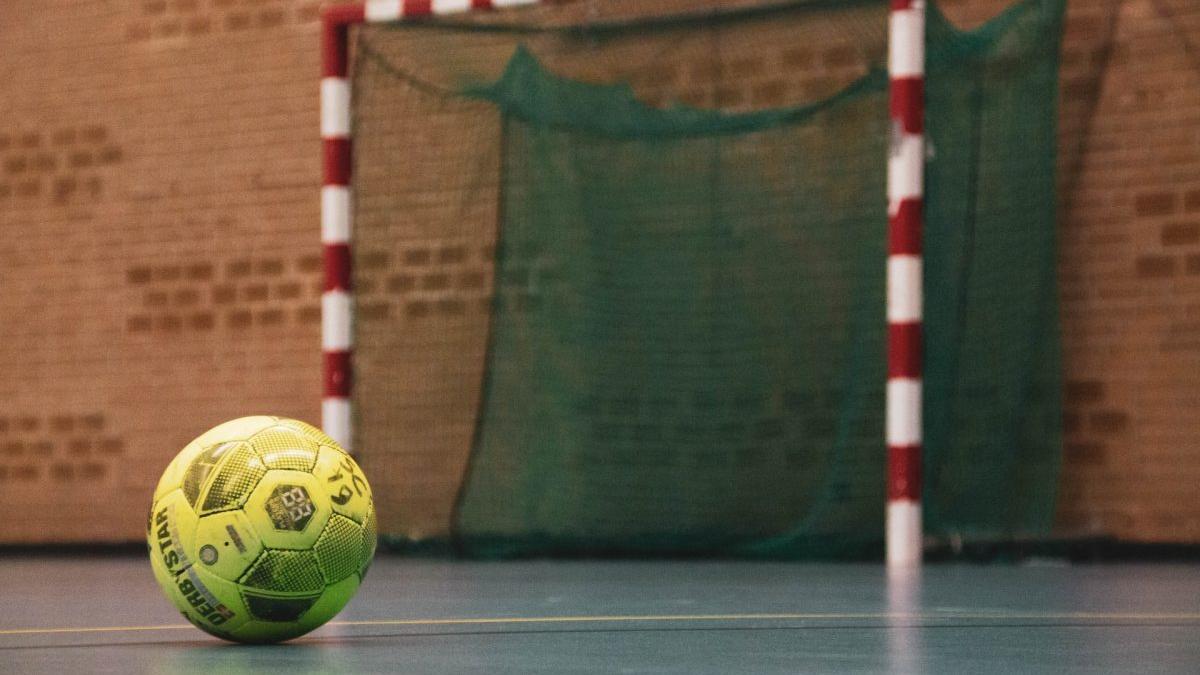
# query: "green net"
[[992, 407], [620, 285]]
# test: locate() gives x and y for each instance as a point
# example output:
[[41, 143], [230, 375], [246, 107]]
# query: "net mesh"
[[620, 285]]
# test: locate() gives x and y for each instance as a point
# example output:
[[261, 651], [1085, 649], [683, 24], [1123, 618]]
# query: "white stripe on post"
[[336, 335], [903, 422], [904, 288], [335, 214], [903, 520], [383, 10], [905, 176], [335, 107], [906, 41], [335, 419], [450, 6]]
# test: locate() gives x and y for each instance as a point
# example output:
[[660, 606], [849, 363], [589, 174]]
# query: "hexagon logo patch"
[[290, 507]]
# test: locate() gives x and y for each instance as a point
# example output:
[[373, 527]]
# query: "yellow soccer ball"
[[261, 529]]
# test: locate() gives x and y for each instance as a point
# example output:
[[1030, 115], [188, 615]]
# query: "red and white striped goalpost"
[[905, 188], [906, 60], [337, 316]]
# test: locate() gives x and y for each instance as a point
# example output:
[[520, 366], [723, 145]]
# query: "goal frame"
[[905, 178]]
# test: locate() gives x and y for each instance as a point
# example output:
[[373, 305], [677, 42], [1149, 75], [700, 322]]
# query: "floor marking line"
[[764, 617], [95, 629], [664, 618]]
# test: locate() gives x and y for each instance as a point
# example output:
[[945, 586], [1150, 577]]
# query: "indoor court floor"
[[106, 615]]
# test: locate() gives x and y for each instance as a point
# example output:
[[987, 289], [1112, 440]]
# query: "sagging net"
[[620, 284]]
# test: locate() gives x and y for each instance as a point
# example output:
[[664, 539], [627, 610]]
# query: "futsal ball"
[[261, 529]]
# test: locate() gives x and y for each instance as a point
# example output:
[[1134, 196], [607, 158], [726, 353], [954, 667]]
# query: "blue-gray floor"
[[422, 616]]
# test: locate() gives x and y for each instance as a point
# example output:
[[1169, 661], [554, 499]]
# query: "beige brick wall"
[[1130, 269], [158, 172], [159, 166]]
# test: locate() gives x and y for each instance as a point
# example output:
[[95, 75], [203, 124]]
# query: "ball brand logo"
[[290, 508], [202, 600], [169, 546], [189, 584]]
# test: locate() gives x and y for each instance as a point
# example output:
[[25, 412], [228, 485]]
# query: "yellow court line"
[[660, 618], [95, 629], [887, 616]]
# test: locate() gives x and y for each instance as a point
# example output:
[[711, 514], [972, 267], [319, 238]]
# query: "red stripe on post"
[[904, 229], [904, 472], [337, 374], [337, 267], [906, 102], [901, 4], [335, 37], [904, 350], [333, 50], [337, 161], [481, 4], [344, 14], [416, 8]]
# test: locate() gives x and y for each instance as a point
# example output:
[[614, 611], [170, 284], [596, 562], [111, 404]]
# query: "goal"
[[651, 282]]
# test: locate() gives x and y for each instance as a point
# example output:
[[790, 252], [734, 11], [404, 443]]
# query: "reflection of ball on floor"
[[261, 529]]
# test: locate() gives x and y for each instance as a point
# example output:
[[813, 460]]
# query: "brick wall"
[[159, 167], [1130, 268]]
